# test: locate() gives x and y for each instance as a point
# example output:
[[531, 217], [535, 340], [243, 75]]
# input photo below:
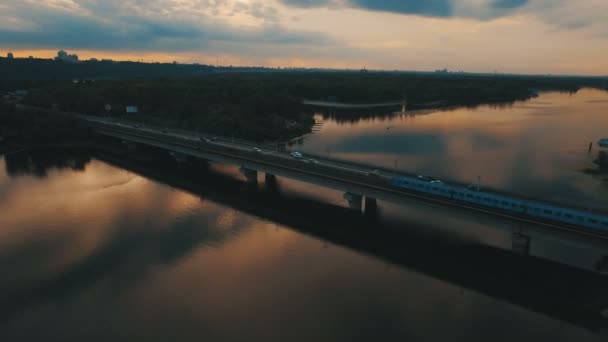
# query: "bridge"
[[575, 296], [362, 184], [341, 105]]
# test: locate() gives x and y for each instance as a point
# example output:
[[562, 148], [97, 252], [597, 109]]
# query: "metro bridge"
[[362, 184]]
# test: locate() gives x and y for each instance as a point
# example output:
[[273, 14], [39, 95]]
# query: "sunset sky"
[[510, 36]]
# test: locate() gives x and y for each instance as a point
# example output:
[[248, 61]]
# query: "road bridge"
[[362, 184]]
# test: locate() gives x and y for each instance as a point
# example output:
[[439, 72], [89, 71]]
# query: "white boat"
[[603, 142]]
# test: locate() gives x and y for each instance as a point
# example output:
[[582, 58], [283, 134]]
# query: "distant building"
[[63, 56], [10, 55], [132, 109]]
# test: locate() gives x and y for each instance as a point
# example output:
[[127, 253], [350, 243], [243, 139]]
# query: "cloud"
[[435, 8], [508, 4], [479, 9], [160, 25]]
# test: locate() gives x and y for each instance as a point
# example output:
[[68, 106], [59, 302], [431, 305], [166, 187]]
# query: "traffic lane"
[[344, 165], [385, 187], [249, 147]]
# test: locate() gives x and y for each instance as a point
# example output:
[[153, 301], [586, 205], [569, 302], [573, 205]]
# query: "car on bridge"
[[257, 150], [205, 140], [297, 155], [373, 173]]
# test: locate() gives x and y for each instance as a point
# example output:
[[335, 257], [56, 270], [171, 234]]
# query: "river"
[[100, 247]]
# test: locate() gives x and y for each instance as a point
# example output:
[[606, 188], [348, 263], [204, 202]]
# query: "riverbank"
[[274, 106]]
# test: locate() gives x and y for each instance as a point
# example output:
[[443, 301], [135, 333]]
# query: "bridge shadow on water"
[[556, 290], [553, 289]]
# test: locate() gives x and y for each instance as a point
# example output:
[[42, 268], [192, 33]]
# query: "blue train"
[[473, 194]]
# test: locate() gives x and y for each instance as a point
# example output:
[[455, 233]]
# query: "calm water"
[[99, 248], [538, 147]]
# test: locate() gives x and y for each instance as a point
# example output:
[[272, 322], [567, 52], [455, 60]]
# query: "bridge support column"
[[371, 206], [180, 158], [602, 265], [271, 182], [251, 175], [130, 145], [270, 179], [521, 244], [355, 202]]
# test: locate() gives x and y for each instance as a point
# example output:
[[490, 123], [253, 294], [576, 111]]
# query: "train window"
[[505, 203], [568, 215], [536, 209], [580, 218], [469, 195], [548, 211]]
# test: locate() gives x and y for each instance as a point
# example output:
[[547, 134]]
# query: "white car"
[[297, 155], [374, 173], [425, 178], [257, 150]]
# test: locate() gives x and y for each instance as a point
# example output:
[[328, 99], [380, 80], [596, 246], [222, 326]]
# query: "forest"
[[262, 105]]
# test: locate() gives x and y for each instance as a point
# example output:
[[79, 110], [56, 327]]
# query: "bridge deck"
[[328, 172]]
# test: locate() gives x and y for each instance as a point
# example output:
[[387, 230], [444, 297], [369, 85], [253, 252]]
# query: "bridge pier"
[[270, 179], [179, 157], [250, 175], [371, 206], [130, 145], [355, 202], [271, 183], [521, 244]]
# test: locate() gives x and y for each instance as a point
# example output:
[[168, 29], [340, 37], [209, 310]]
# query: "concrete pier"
[[179, 157], [270, 179], [251, 175], [355, 201], [371, 206], [521, 244], [130, 145]]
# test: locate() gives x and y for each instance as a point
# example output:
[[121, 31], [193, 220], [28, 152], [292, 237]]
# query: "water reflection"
[[181, 249], [537, 148], [39, 162], [125, 250]]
